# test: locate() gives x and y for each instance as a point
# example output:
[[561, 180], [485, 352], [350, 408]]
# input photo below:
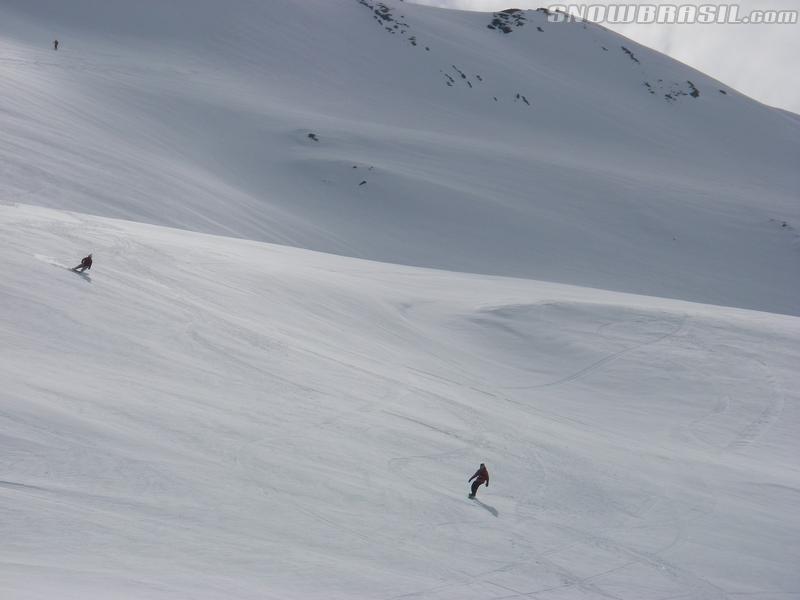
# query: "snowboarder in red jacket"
[[86, 263], [480, 476]]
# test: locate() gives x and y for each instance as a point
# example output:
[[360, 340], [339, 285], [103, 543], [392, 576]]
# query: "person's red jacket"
[[482, 475]]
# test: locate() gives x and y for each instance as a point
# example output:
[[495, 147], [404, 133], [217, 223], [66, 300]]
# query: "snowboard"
[[55, 263]]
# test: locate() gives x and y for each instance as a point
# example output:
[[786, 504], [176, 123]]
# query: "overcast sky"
[[758, 60]]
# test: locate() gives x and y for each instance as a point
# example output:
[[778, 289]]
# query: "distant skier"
[[55, 44], [481, 476], [86, 263]]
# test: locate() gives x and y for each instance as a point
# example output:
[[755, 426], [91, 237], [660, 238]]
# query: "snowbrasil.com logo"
[[668, 14]]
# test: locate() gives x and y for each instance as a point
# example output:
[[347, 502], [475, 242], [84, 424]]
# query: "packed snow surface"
[[213, 418]]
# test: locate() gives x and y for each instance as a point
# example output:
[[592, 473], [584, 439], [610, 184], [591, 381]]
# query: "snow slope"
[[213, 418], [559, 152]]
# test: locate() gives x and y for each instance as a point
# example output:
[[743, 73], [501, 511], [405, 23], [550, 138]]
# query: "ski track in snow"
[[771, 402], [773, 408], [601, 362]]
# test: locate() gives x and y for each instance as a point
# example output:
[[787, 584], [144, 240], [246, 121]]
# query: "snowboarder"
[[55, 44], [86, 263], [480, 476]]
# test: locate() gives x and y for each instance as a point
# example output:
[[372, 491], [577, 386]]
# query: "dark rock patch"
[[507, 20], [521, 97], [630, 54], [674, 90], [384, 16]]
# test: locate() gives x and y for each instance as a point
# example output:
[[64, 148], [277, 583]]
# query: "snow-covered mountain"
[[240, 416], [493, 143]]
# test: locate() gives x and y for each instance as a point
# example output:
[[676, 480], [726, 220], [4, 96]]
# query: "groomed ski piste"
[[275, 380], [218, 418]]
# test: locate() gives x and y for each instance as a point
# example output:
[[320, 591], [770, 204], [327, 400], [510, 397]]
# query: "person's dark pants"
[[475, 485], [80, 268]]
